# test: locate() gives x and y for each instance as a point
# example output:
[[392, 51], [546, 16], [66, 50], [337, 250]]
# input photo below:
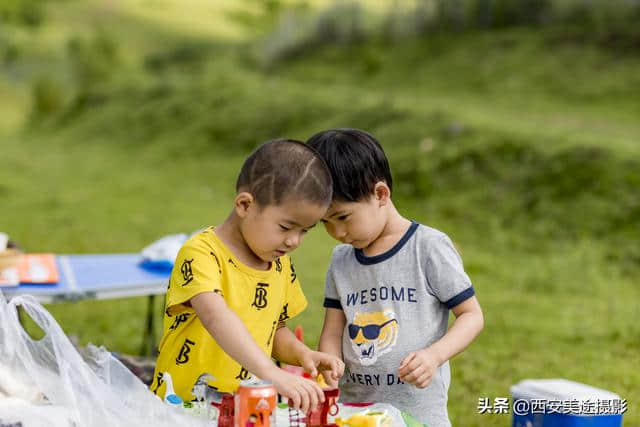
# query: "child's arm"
[[232, 335], [331, 338], [419, 366], [288, 349]]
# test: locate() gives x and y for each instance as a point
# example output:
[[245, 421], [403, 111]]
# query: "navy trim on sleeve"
[[332, 303], [461, 297], [368, 260]]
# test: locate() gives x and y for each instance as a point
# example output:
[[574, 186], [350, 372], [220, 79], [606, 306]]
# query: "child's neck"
[[394, 228], [229, 233]]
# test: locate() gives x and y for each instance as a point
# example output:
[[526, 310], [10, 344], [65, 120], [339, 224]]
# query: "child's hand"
[[331, 366], [329, 381], [304, 394], [419, 366]]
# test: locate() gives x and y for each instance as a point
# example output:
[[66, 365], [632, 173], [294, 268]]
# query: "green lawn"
[[521, 145]]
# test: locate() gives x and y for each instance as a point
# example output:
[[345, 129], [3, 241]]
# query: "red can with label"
[[255, 405]]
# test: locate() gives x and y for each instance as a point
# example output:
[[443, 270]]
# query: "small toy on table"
[[226, 408], [206, 396], [170, 397], [320, 416]]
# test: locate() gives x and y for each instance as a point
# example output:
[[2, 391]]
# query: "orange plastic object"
[[255, 405]]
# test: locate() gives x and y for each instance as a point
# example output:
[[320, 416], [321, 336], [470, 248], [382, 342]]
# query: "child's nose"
[[292, 241]]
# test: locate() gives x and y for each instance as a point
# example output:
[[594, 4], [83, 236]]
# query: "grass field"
[[521, 144]]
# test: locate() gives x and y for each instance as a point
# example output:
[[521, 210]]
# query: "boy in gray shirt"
[[389, 288]]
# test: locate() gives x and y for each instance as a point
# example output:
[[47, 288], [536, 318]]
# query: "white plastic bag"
[[393, 413], [19, 412], [97, 392]]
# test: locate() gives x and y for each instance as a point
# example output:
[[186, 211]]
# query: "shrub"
[[29, 13], [48, 97], [93, 61]]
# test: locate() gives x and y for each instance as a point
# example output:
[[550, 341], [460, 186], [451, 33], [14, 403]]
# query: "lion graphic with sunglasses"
[[373, 334]]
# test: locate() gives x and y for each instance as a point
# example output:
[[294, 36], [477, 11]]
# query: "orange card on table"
[[38, 268], [9, 276]]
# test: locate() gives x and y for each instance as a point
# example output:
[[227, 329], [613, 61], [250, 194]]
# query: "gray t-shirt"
[[396, 303]]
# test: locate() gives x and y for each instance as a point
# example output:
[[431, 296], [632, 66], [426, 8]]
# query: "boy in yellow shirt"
[[233, 286]]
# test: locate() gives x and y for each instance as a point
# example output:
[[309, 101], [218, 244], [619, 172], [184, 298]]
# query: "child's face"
[[356, 223], [274, 230]]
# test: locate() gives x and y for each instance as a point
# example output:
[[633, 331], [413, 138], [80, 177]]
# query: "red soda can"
[[255, 404]]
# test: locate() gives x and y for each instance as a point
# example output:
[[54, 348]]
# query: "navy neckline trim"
[[368, 260]]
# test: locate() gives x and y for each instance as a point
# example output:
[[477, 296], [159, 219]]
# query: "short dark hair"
[[356, 161], [285, 168]]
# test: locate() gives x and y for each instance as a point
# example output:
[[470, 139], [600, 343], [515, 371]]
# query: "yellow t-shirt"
[[259, 298]]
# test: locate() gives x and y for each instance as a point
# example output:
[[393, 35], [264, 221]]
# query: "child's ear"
[[242, 203], [382, 193]]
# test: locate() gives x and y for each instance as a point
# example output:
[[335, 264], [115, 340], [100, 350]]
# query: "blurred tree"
[[22, 12], [261, 16], [94, 60], [48, 97]]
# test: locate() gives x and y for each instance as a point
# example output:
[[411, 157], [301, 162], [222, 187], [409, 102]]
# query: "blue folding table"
[[100, 276]]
